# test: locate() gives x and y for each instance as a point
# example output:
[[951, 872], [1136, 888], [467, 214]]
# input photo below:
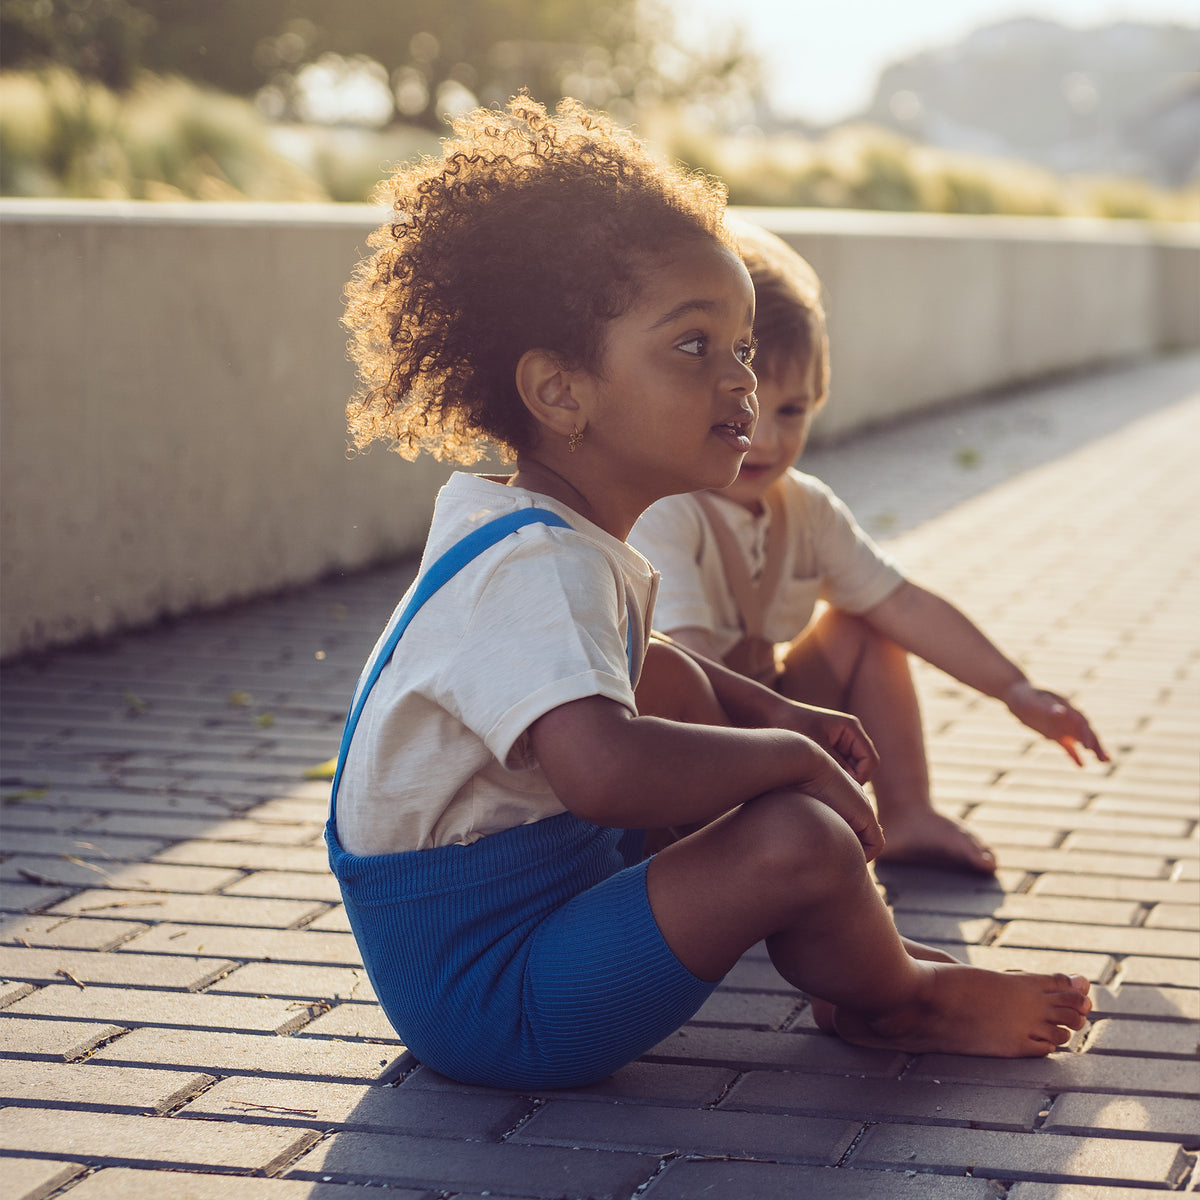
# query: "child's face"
[[671, 408], [786, 406]]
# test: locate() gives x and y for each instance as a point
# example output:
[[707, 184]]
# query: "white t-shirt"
[[827, 556], [441, 755]]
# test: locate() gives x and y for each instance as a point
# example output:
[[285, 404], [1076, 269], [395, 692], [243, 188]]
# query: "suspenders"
[[438, 574]]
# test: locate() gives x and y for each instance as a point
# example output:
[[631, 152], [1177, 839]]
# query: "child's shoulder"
[[468, 503]]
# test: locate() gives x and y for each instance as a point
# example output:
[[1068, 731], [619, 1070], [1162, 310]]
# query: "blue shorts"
[[529, 958]]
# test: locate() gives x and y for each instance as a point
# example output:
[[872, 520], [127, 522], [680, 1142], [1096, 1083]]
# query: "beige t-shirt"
[[441, 755], [827, 556]]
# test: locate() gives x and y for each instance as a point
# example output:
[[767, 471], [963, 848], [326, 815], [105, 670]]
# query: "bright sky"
[[824, 55]]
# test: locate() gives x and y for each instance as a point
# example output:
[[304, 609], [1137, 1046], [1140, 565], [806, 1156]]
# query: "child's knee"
[[799, 844], [673, 686]]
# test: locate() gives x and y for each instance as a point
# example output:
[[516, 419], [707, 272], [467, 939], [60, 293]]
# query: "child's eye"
[[792, 410], [697, 345], [745, 352]]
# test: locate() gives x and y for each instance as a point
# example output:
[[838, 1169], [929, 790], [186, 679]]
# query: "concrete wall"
[[173, 378]]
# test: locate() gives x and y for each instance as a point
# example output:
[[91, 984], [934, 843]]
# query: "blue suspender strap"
[[440, 573]]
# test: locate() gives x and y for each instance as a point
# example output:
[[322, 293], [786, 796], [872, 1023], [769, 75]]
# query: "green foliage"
[[431, 54], [866, 167], [63, 135]]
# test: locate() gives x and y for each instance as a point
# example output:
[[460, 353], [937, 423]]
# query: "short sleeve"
[[671, 534], [544, 631], [855, 573]]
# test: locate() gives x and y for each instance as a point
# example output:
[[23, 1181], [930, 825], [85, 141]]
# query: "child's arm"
[[934, 629], [751, 705], [614, 769]]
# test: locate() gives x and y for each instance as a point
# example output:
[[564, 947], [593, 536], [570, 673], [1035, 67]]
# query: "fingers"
[[852, 748]]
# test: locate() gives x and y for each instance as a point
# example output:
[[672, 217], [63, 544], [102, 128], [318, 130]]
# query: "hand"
[[831, 785], [1055, 718], [838, 733]]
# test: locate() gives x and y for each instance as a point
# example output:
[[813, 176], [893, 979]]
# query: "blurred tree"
[[436, 56]]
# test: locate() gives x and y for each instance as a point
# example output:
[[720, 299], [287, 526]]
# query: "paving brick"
[[249, 1054], [162, 1141], [249, 857], [116, 1089], [1146, 1038], [886, 1100], [1103, 938], [1137, 1000], [68, 933], [639, 1082], [296, 982], [1064, 1073], [689, 1180], [11, 992], [36, 1178], [1174, 916], [62, 1041], [934, 927], [352, 1021], [663, 1131], [172, 826], [334, 921], [142, 1006], [148, 970], [208, 910], [1014, 834], [1114, 887], [1073, 1191], [293, 885], [1074, 821], [750, 1049], [989, 1154], [127, 1183], [457, 1165], [1130, 866], [1023, 907], [1164, 972], [29, 897], [137, 876], [1177, 847], [477, 1117], [127, 801], [96, 848], [248, 942], [1157, 1117], [754, 1009]]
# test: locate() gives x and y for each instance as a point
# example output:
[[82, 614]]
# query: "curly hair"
[[532, 231], [789, 318]]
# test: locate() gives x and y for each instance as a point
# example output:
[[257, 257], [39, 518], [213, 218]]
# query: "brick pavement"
[[184, 1011]]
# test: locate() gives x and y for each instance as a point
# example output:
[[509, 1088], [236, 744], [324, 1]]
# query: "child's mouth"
[[736, 433]]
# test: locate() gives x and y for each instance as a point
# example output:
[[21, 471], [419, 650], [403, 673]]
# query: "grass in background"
[[869, 168], [169, 139]]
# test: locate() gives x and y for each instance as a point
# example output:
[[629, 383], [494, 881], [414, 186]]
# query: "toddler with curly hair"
[[549, 289]]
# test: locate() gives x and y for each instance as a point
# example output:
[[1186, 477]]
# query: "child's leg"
[[783, 867], [840, 662]]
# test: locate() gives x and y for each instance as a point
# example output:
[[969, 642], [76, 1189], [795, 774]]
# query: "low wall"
[[173, 378]]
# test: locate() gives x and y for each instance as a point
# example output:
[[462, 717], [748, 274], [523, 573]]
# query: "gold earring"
[[574, 440]]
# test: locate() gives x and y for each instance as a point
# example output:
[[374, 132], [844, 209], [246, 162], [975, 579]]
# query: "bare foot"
[[930, 839], [823, 1011], [967, 1010]]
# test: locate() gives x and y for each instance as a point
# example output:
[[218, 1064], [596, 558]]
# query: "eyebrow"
[[680, 310]]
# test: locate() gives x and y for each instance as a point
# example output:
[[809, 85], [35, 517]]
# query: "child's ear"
[[546, 388]]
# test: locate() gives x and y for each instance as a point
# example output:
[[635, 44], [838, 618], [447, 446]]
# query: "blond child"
[[773, 576], [549, 288]]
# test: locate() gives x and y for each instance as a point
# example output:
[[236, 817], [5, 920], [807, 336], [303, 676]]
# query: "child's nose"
[[742, 378]]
